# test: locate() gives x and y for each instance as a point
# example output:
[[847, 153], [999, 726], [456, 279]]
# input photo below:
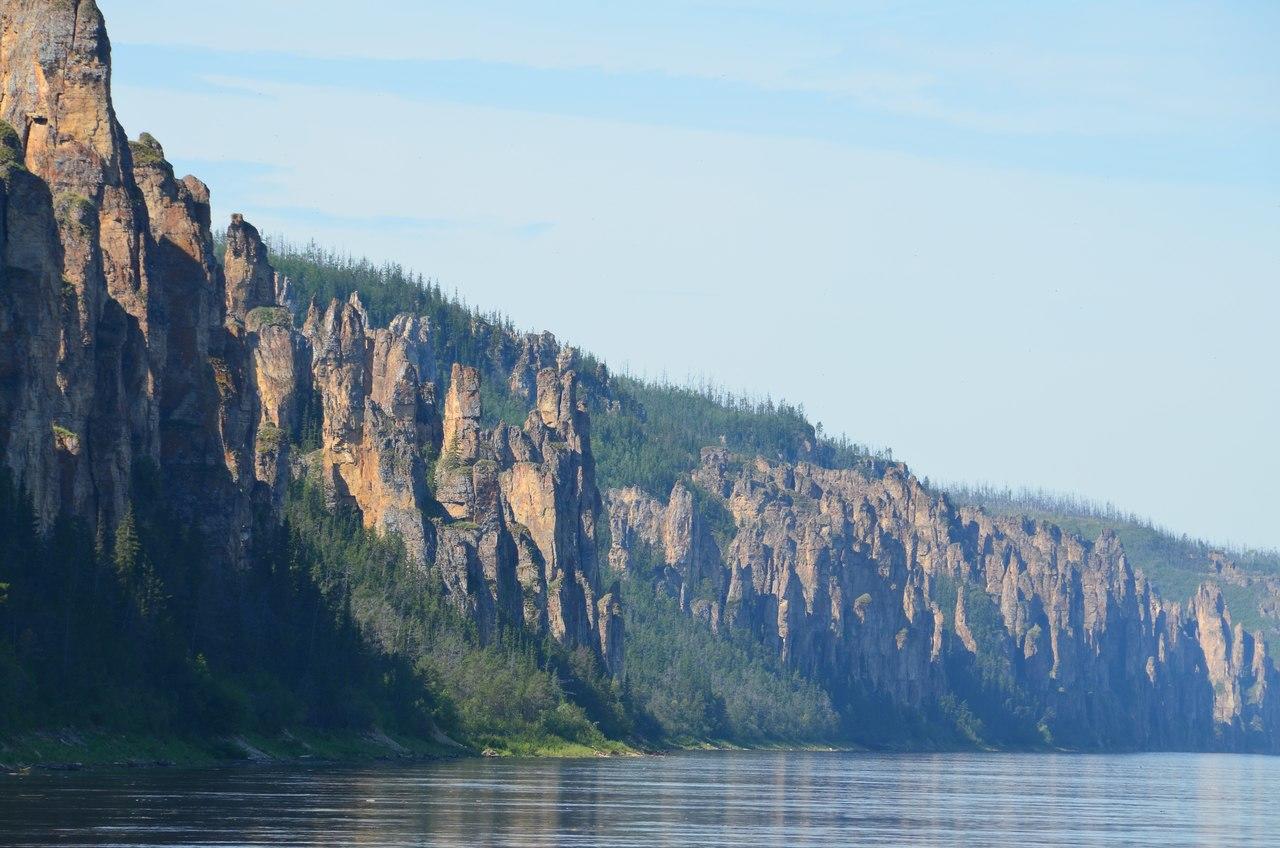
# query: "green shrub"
[[146, 150], [267, 316], [10, 146], [268, 439], [75, 211]]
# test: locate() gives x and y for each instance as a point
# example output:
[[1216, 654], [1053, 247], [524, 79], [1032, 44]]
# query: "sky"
[[1026, 244]]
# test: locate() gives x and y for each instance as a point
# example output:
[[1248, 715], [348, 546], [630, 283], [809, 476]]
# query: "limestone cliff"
[[100, 386], [376, 414], [205, 405], [126, 344], [113, 303], [507, 519], [127, 347], [882, 590], [250, 280]]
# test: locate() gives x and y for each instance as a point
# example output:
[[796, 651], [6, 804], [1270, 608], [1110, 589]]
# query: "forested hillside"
[[651, 437], [278, 502], [655, 432], [1177, 564], [682, 684]]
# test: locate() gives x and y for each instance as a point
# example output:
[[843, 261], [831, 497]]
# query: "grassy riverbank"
[[71, 749]]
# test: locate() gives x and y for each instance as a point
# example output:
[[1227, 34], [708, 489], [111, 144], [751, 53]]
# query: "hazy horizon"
[[1016, 246]]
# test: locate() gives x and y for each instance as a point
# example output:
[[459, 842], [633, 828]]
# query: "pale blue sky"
[[1027, 243]]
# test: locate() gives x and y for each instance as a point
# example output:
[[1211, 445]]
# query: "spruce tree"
[[137, 578]]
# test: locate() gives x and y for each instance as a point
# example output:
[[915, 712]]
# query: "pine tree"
[[137, 577], [128, 549]]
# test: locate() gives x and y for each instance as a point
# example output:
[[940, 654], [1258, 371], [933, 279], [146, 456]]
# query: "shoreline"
[[73, 749], [77, 750]]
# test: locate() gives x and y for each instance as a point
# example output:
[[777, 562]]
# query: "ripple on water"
[[713, 799]]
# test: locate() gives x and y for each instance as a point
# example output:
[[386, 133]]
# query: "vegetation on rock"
[[10, 146], [267, 316], [146, 151]]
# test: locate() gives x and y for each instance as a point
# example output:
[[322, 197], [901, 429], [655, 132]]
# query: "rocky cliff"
[[505, 516], [118, 354], [127, 347], [888, 594], [78, 247], [125, 343]]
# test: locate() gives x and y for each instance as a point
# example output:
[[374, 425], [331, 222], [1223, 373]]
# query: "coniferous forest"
[[267, 501], [334, 631]]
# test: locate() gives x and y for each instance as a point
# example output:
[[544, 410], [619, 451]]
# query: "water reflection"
[[712, 799]]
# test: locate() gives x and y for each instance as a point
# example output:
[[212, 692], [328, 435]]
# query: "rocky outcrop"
[[479, 550], [507, 519], [523, 507], [43, 447], [690, 555], [55, 94], [127, 343], [376, 414], [549, 485], [536, 352], [281, 369], [251, 283], [612, 630], [205, 406], [884, 592]]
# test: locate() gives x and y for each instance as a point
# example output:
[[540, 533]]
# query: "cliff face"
[[125, 346], [96, 305], [113, 304], [126, 343], [882, 590], [506, 518]]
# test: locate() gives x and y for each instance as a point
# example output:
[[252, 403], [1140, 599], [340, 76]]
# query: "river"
[[705, 799]]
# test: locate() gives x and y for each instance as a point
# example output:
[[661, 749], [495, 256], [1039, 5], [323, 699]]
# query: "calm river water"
[[729, 799]]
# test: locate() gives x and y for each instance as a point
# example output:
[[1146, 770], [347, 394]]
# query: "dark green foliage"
[[330, 628], [653, 436], [660, 432], [1148, 546], [460, 333], [146, 150], [714, 510], [682, 681], [10, 146], [497, 404], [311, 423], [986, 706], [689, 685], [268, 316], [132, 632], [509, 690], [137, 577]]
